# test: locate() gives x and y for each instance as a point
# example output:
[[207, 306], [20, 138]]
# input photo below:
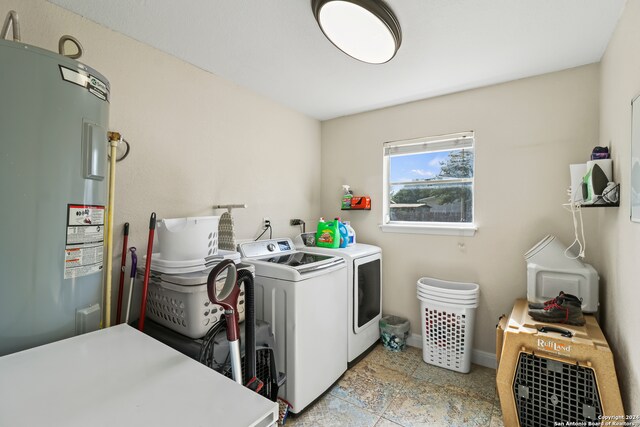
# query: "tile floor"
[[388, 389]]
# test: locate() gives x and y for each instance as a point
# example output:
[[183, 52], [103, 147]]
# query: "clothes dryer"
[[364, 284]]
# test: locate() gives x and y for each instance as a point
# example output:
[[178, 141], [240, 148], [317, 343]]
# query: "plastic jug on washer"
[[351, 234], [344, 234], [328, 234]]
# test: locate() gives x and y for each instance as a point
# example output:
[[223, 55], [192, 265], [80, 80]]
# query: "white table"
[[121, 377]]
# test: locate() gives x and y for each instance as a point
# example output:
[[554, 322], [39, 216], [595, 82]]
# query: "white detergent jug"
[[351, 234]]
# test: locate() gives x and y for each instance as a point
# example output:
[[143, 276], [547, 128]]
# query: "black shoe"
[[568, 297], [564, 308]]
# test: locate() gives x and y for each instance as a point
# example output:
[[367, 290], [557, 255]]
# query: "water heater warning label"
[[84, 248], [85, 224], [82, 261]]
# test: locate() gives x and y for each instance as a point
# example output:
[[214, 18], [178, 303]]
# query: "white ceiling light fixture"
[[366, 30]]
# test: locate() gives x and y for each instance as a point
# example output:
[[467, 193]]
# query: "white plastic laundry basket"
[[182, 239], [183, 305], [448, 321]]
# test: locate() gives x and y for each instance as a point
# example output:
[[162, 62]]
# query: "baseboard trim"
[[414, 340], [484, 358], [479, 357]]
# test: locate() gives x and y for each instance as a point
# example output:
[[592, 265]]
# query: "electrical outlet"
[[298, 221], [266, 222]]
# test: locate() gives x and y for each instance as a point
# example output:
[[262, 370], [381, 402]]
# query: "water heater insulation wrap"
[[53, 187]]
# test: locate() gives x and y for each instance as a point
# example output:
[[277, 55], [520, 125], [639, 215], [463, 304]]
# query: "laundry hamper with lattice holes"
[[447, 335]]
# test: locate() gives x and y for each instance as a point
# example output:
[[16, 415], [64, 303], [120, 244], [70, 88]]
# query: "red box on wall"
[[361, 202]]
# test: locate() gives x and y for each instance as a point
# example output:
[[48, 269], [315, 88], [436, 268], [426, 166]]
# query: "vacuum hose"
[[245, 277]]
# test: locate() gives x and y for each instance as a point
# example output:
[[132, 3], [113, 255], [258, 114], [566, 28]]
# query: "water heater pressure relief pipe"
[[114, 138], [11, 20]]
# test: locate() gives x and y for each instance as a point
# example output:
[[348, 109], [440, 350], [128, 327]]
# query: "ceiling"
[[275, 48]]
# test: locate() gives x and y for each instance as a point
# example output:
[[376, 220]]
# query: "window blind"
[[421, 145]]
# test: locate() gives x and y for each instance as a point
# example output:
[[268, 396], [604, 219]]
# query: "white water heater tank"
[[550, 271], [53, 190]]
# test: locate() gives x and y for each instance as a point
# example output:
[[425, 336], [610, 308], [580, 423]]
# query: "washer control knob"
[[271, 247]]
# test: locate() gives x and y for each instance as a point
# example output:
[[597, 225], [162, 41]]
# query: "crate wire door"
[[549, 392]]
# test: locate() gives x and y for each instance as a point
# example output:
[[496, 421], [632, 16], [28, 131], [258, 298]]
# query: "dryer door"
[[367, 297]]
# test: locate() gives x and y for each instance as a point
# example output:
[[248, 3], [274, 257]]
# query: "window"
[[428, 183]]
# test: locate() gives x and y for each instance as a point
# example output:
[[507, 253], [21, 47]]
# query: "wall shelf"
[[604, 200], [602, 205]]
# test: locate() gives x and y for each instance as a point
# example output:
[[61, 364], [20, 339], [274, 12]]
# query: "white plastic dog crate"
[[448, 315], [553, 374]]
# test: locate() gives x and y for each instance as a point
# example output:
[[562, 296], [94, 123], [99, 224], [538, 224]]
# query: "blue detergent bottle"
[[351, 233], [344, 233]]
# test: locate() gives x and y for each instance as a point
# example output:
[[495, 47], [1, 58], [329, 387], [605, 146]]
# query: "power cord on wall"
[[298, 221], [267, 225], [575, 208]]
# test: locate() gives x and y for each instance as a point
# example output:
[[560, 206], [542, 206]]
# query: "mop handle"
[[147, 270], [134, 266], [123, 268], [134, 262]]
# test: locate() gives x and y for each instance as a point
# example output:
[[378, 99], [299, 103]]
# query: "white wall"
[[527, 133], [197, 139], [618, 261]]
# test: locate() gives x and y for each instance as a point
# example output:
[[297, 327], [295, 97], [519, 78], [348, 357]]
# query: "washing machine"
[[302, 295], [364, 299]]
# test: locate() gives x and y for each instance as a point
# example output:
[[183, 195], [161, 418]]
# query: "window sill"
[[437, 230]]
